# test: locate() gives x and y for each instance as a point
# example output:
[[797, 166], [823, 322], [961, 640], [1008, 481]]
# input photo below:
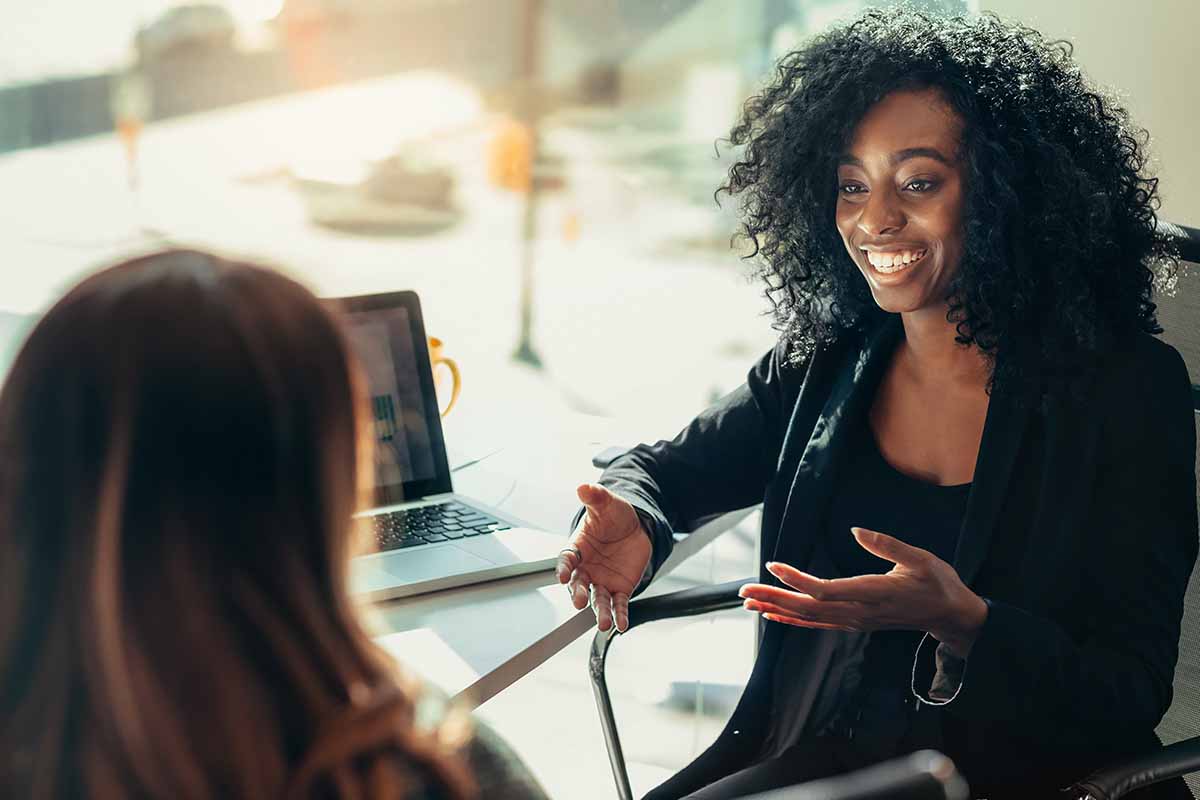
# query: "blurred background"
[[541, 171]]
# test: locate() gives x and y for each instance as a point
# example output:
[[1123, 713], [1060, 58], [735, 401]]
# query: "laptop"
[[429, 537]]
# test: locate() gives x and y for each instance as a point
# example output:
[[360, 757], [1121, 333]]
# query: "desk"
[[474, 641]]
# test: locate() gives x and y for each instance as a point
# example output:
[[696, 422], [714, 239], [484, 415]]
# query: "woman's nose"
[[881, 215]]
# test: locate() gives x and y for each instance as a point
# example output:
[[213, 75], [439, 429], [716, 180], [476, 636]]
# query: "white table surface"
[[474, 641]]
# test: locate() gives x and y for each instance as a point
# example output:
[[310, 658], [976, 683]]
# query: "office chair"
[[1179, 729], [925, 775]]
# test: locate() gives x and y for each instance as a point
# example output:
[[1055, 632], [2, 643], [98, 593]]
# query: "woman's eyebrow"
[[899, 156], [918, 152]]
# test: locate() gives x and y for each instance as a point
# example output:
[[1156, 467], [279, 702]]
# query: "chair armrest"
[[687, 602], [1120, 779], [924, 775]]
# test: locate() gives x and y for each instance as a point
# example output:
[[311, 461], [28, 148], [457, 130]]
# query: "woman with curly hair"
[[182, 440], [974, 458]]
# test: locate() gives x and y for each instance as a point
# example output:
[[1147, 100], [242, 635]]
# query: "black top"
[[870, 493], [1072, 669]]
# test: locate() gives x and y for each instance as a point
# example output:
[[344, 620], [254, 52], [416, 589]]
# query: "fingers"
[[764, 607], [802, 604], [602, 605], [800, 581], [890, 548], [620, 602], [594, 496], [569, 560], [801, 623], [776, 613], [860, 588], [610, 608], [579, 587]]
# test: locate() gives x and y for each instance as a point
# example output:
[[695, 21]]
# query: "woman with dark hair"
[[974, 458], [182, 437]]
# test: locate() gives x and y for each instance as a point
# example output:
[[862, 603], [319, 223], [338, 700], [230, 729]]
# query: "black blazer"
[[1080, 532]]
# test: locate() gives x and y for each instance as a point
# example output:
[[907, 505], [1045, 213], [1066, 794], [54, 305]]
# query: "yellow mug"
[[436, 358]]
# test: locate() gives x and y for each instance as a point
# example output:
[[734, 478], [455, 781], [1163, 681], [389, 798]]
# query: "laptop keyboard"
[[443, 522]]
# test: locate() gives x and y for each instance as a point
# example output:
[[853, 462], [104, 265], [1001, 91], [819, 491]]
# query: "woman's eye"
[[919, 185], [851, 188]]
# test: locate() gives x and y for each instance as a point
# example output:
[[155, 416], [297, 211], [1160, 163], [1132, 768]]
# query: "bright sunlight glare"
[[255, 11]]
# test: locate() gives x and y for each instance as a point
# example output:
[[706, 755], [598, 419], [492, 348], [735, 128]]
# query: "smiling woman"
[[966, 430]]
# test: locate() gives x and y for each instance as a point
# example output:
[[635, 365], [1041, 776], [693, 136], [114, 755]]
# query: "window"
[[542, 171]]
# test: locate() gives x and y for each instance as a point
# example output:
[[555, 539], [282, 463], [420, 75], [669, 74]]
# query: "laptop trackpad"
[[436, 562]]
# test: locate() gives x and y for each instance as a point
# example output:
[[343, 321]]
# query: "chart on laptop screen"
[[384, 343]]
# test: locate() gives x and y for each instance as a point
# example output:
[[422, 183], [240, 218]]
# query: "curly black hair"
[[1060, 249]]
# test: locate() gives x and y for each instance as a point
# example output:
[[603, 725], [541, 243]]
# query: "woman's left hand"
[[922, 593]]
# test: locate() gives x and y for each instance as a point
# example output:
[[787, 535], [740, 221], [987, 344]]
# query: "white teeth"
[[895, 261]]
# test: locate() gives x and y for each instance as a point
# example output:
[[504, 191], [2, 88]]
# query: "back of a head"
[[180, 451]]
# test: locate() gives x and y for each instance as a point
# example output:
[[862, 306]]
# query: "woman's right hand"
[[611, 552]]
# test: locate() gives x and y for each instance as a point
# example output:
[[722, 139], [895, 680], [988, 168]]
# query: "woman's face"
[[900, 199]]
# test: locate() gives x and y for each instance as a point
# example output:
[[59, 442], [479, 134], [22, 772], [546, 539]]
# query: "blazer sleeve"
[[720, 462], [1140, 546]]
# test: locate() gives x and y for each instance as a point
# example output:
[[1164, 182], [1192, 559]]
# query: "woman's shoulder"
[[406, 739], [1143, 388], [493, 765], [497, 768], [1143, 363]]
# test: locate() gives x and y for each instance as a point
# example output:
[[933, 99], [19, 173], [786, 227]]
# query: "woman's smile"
[[894, 260]]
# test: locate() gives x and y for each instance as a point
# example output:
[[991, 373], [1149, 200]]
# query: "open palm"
[[613, 550]]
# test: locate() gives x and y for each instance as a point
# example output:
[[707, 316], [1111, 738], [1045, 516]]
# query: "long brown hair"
[[179, 452]]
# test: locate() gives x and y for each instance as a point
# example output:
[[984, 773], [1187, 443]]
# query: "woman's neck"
[[931, 354]]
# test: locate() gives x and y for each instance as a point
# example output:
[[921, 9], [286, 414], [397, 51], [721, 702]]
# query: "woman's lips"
[[894, 260]]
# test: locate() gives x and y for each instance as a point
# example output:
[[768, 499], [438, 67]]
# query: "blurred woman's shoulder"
[[494, 767], [499, 771], [406, 741]]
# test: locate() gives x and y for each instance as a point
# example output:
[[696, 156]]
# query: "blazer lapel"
[[1003, 429], [852, 389]]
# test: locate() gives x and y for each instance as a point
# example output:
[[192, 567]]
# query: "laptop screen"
[[388, 335]]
